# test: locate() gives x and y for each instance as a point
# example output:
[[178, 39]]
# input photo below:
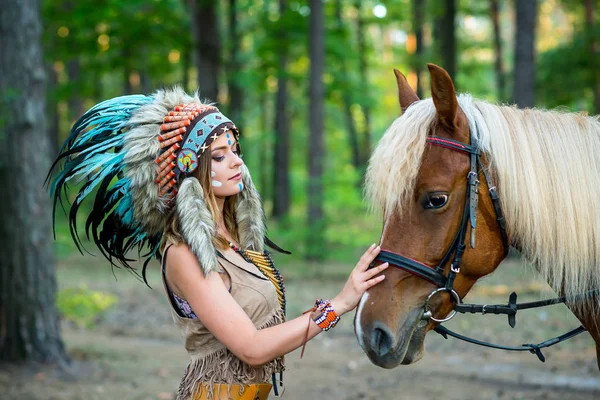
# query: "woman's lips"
[[236, 177]]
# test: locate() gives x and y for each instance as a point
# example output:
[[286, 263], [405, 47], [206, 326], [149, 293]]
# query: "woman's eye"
[[436, 201], [219, 158]]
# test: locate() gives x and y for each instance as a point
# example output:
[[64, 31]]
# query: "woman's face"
[[226, 173]]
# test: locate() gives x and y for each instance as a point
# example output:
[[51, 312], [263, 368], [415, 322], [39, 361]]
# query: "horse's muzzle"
[[389, 348]]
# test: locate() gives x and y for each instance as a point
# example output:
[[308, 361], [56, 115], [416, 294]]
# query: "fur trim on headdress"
[[196, 224], [250, 216]]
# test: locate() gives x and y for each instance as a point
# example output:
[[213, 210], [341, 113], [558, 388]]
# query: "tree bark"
[[127, 86], [347, 97], [418, 7], [145, 81], [29, 326], [186, 61], [236, 94], [316, 148], [524, 90], [75, 102], [362, 68], [205, 28], [500, 78], [52, 110], [265, 145], [281, 154], [445, 37], [594, 52]]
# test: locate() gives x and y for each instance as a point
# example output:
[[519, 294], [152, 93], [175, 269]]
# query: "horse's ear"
[[406, 95], [444, 95]]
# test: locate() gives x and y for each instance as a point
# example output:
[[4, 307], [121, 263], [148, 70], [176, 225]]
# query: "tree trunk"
[[362, 68], [316, 150], [205, 27], [524, 90], [281, 154], [445, 37], [145, 82], [347, 97], [418, 7], [186, 61], [594, 52], [236, 94], [29, 327], [75, 102], [52, 110], [127, 86], [264, 144], [500, 82]]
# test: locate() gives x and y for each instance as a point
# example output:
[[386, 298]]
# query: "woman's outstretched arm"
[[222, 315]]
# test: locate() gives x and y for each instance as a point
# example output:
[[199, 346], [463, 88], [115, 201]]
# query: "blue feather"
[[93, 153], [125, 210], [120, 188], [115, 141]]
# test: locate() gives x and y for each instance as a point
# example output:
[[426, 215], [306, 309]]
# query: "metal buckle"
[[427, 314], [472, 177]]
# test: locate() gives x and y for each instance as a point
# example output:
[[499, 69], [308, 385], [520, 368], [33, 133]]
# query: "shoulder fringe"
[[223, 366]]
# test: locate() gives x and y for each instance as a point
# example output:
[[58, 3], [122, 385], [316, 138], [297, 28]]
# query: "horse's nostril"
[[382, 342]]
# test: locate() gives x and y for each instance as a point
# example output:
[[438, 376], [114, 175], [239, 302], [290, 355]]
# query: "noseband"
[[458, 246]]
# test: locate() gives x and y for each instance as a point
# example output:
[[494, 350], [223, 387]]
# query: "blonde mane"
[[546, 165]]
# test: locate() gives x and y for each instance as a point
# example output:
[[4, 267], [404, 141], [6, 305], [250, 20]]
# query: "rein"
[[457, 248]]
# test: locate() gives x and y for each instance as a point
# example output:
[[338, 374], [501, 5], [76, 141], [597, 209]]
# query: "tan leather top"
[[250, 289], [211, 362]]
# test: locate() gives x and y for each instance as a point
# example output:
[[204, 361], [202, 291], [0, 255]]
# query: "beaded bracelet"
[[327, 317]]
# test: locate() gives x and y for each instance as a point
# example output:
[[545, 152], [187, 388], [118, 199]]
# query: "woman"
[[167, 174]]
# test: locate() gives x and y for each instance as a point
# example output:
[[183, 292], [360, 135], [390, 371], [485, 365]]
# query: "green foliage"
[[109, 37], [97, 49], [565, 75], [84, 306]]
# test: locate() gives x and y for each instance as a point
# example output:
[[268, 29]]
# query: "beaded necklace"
[[264, 263]]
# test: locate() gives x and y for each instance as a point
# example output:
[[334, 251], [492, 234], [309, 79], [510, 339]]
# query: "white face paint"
[[226, 166], [215, 183]]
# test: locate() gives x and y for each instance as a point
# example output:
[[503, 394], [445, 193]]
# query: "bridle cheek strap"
[[469, 217]]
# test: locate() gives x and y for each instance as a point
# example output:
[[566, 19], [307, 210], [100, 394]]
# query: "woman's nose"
[[237, 160]]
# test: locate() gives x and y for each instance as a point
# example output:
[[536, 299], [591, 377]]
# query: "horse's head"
[[422, 189]]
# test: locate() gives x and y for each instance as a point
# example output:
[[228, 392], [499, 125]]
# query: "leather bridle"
[[457, 248]]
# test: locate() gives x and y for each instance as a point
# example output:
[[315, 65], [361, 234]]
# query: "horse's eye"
[[436, 201]]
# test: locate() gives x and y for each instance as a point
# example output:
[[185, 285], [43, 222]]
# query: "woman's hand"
[[359, 281]]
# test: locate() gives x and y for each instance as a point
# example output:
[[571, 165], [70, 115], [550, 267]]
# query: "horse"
[[458, 181]]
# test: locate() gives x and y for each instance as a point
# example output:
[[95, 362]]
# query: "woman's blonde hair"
[[172, 232]]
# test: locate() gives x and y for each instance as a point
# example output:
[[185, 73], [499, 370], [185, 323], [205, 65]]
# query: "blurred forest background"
[[308, 133], [310, 83]]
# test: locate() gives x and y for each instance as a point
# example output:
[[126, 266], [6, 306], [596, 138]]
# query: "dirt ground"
[[135, 353]]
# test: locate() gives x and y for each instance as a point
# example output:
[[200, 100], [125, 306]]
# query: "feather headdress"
[[134, 155]]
